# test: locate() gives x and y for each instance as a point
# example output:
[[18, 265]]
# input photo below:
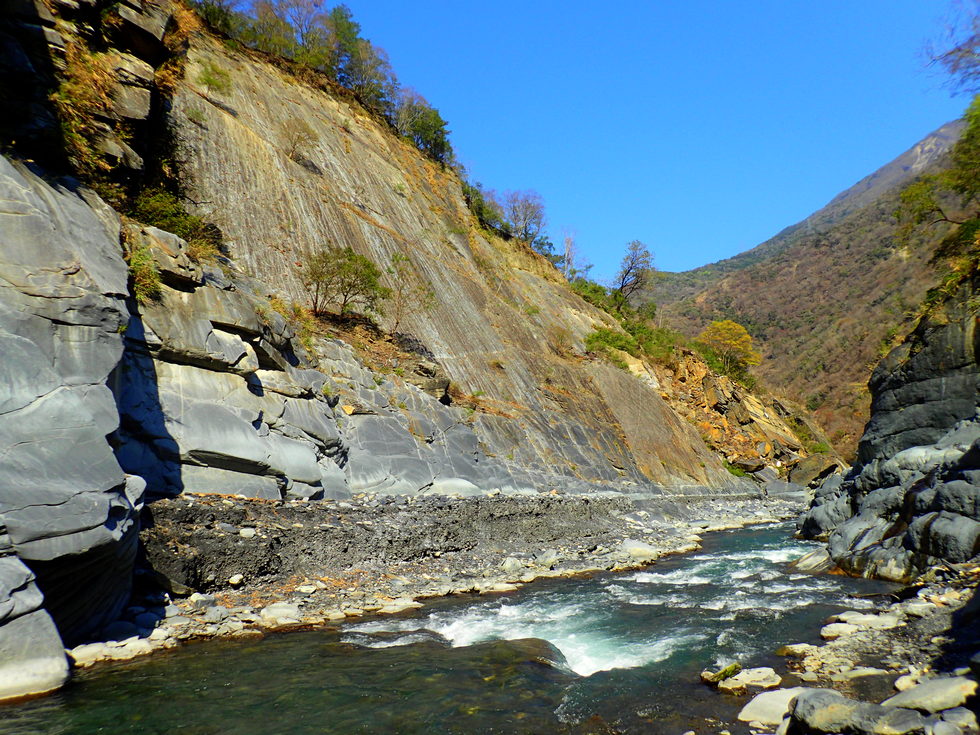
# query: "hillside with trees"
[[825, 298]]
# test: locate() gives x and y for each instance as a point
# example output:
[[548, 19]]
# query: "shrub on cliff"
[[345, 278], [161, 208]]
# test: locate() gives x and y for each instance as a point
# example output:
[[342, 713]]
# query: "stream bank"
[[237, 567], [608, 653]]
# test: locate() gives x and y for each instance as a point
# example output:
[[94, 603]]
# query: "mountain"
[[825, 296]]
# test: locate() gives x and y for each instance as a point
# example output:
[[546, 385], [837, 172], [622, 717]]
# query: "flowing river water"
[[610, 654]]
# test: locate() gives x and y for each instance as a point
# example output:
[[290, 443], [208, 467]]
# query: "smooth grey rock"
[[935, 695], [962, 718], [769, 708], [826, 711], [32, 657], [65, 504], [214, 480], [945, 535]]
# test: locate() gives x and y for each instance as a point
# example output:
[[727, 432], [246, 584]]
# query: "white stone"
[[836, 630], [769, 708], [279, 611], [934, 695]]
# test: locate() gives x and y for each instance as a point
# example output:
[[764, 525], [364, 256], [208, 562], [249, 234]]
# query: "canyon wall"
[[913, 498]]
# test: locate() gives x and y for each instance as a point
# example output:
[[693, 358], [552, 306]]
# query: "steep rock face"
[[914, 498], [69, 511], [217, 394], [925, 385], [32, 660], [504, 327]]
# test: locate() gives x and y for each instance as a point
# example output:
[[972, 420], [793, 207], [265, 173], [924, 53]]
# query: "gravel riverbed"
[[235, 567]]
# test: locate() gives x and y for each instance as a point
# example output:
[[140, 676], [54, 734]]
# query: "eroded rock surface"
[[913, 499], [69, 510]]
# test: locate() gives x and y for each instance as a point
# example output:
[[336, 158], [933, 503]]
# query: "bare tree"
[[409, 109], [958, 52], [297, 135], [525, 212], [568, 254], [408, 292], [634, 270]]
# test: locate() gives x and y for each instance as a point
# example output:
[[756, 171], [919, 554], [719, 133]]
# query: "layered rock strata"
[[913, 499], [69, 510]]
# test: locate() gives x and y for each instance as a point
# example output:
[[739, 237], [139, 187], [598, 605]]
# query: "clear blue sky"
[[701, 128]]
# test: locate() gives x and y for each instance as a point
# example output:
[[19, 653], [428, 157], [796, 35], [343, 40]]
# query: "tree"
[[634, 272], [370, 76], [961, 57], [422, 124], [732, 344], [484, 205], [297, 135], [269, 30], [406, 295], [343, 277], [524, 211]]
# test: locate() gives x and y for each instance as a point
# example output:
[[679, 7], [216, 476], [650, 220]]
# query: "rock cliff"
[[913, 498]]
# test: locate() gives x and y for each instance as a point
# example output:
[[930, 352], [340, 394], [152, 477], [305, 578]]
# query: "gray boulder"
[[32, 657]]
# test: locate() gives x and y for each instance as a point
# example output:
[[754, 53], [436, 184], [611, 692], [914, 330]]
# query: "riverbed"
[[607, 654]]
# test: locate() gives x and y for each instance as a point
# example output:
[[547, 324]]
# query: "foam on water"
[[637, 619], [578, 630]]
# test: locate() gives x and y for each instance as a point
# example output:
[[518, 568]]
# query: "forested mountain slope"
[[825, 296]]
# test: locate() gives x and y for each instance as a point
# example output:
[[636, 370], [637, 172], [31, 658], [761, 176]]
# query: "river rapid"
[[608, 654]]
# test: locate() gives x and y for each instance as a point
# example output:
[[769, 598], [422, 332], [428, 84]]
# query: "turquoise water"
[[613, 654]]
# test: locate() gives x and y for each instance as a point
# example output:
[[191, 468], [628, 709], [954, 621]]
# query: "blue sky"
[[701, 128]]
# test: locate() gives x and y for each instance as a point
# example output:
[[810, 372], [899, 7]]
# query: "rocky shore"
[[242, 567], [916, 658]]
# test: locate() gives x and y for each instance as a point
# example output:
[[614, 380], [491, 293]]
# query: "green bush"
[[214, 78], [737, 471], [143, 273], [602, 339], [159, 207]]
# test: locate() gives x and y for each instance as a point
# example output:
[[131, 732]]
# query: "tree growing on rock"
[[345, 278], [422, 124], [732, 345], [409, 293], [297, 136], [524, 211], [634, 273]]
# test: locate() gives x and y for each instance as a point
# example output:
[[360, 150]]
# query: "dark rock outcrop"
[[32, 659], [69, 510], [913, 499]]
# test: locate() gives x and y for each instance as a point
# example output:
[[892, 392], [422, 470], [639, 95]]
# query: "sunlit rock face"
[[504, 325], [70, 512]]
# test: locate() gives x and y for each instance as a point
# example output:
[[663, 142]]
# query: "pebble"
[[247, 532]]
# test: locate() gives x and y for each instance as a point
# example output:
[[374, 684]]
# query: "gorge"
[[206, 458]]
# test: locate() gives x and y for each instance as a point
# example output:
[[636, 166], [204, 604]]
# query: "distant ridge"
[[822, 294]]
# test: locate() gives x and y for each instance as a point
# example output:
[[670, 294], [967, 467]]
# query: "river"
[[609, 654]]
